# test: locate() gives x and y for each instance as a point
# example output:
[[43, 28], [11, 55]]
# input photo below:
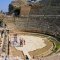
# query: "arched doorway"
[[17, 12]]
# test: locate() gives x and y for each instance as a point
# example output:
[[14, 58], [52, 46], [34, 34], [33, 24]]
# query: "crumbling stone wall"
[[42, 24], [46, 25]]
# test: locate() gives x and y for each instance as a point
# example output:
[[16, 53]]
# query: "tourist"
[[21, 42], [24, 42], [2, 33], [15, 38], [27, 57]]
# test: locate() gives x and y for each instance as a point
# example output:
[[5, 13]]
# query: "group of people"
[[20, 41]]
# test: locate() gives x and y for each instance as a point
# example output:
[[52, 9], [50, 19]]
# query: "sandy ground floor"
[[30, 43]]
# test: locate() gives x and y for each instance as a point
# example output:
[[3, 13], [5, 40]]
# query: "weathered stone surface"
[[34, 19]]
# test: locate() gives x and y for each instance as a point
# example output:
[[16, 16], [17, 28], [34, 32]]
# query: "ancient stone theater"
[[30, 30]]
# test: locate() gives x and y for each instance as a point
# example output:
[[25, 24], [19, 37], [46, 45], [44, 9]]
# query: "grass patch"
[[58, 46]]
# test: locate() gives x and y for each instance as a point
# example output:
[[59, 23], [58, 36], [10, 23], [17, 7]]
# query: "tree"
[[10, 9]]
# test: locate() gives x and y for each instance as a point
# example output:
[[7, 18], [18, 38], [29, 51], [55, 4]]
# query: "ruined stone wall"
[[25, 10], [46, 25], [43, 24], [46, 10]]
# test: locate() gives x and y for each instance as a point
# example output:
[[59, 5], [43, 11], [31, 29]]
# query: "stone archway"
[[17, 12]]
